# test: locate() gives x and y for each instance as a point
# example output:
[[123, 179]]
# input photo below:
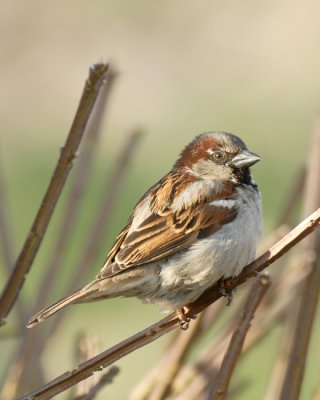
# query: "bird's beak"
[[244, 159]]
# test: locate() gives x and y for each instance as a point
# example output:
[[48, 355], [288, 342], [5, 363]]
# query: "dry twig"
[[157, 330], [219, 390], [177, 350], [173, 361], [311, 291], [14, 284]]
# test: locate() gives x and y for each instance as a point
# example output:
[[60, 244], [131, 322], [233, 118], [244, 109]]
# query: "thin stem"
[[173, 361], [157, 330], [219, 390], [180, 344], [34, 239], [311, 291]]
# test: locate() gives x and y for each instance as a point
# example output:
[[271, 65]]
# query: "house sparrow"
[[201, 222]]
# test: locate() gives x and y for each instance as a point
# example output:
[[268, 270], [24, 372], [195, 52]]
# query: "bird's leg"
[[183, 319], [226, 289]]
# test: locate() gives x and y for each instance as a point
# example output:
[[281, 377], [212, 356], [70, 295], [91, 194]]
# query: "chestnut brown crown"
[[212, 152]]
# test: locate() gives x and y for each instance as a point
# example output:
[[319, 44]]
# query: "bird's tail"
[[77, 297]]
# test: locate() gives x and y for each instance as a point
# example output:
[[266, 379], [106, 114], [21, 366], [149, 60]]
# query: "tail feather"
[[55, 307]]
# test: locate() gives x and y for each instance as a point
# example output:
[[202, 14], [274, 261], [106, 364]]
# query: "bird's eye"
[[218, 156]]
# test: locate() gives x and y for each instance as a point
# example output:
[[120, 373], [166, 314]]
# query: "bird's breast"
[[222, 254]]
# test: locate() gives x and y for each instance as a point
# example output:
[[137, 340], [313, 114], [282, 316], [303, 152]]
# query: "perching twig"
[[11, 291], [157, 330], [219, 390], [192, 380], [311, 291], [276, 251]]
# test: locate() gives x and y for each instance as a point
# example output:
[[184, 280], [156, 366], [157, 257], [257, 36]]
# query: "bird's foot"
[[226, 290], [183, 319]]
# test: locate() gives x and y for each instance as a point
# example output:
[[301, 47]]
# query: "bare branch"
[[157, 330], [311, 291], [219, 390], [11, 291]]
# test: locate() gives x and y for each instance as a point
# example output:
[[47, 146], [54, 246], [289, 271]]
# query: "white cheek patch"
[[210, 152], [223, 203]]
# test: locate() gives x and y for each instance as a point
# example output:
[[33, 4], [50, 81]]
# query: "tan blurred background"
[[249, 67]]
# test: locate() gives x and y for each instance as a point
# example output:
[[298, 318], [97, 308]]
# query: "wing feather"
[[167, 230]]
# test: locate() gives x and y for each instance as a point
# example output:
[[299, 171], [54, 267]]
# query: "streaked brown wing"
[[160, 236], [116, 246]]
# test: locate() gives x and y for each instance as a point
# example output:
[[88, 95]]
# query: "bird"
[[197, 225]]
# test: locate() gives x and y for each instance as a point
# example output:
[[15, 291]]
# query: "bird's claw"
[[226, 290], [184, 321]]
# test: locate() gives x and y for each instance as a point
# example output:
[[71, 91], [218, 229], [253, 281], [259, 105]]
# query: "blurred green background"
[[251, 68]]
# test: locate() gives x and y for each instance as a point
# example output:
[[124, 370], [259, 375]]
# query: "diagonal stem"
[[311, 287], [220, 387], [33, 241]]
